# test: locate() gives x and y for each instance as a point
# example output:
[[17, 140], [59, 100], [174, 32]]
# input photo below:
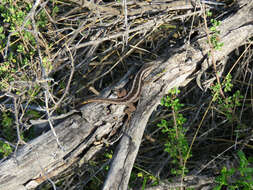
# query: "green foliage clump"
[[176, 144], [228, 104], [236, 178], [5, 149]]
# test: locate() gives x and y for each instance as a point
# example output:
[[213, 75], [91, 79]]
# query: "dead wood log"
[[84, 135]]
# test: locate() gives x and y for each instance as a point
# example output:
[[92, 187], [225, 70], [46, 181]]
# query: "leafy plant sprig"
[[176, 144], [236, 178]]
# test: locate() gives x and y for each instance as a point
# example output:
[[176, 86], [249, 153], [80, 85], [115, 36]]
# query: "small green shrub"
[[5, 149], [176, 144], [236, 178]]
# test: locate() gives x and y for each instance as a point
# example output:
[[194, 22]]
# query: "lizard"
[[131, 97]]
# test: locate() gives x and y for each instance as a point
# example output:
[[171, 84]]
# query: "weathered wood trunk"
[[84, 135]]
